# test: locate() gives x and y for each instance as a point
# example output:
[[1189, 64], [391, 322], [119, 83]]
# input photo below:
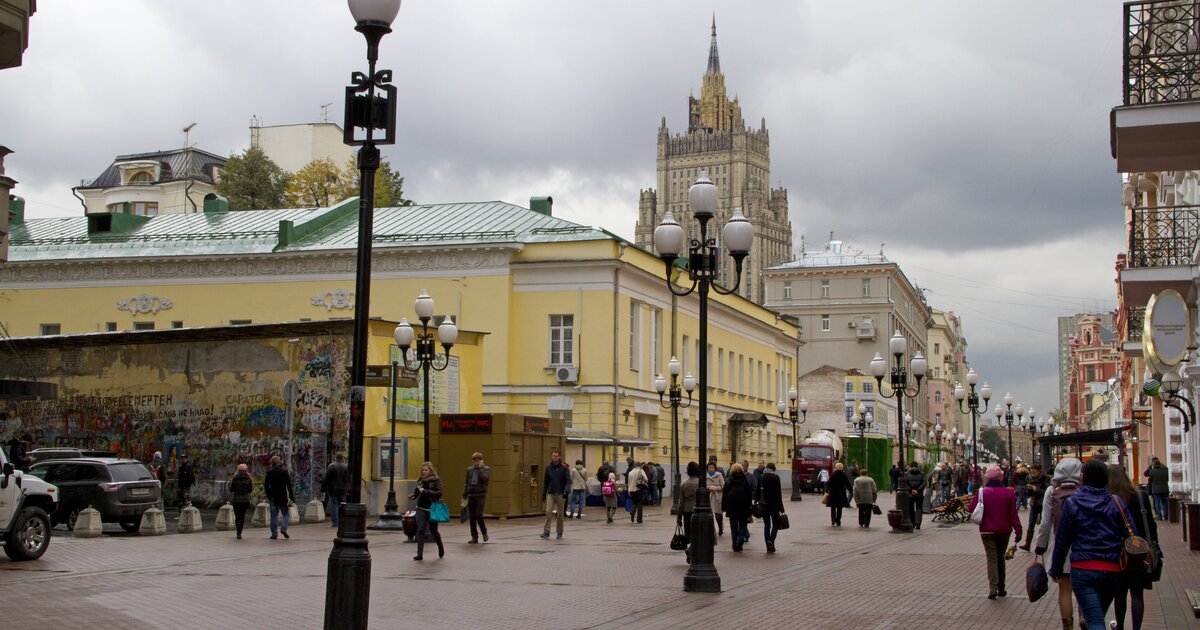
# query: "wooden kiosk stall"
[[517, 448]]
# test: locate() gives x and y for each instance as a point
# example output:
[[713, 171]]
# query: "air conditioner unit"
[[851, 324], [567, 374]]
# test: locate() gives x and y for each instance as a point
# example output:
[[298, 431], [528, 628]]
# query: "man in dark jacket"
[[1035, 491], [556, 487], [894, 476], [278, 487], [662, 480], [770, 499], [186, 479], [475, 489], [916, 492], [336, 485], [1158, 477], [18, 452]]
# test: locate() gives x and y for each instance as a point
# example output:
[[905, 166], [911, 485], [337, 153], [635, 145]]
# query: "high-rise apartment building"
[[737, 160]]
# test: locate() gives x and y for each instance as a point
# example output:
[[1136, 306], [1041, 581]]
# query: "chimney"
[[542, 205]]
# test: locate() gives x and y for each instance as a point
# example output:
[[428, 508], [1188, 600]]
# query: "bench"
[[1193, 597], [954, 510]]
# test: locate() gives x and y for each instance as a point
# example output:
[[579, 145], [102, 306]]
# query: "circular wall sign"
[[1167, 330]]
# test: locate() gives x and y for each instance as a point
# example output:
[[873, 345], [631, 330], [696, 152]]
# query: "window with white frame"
[[937, 348], [824, 288], [635, 336], [759, 380], [868, 387], [825, 323], [937, 372], [561, 414], [866, 287], [787, 290], [849, 387], [562, 339], [656, 340], [937, 396], [686, 354], [849, 413], [645, 426], [721, 369]]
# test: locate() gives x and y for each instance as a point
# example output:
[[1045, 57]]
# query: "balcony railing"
[[1162, 51], [1137, 315], [1165, 236]]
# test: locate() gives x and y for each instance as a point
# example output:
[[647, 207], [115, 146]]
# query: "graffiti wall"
[[220, 401]]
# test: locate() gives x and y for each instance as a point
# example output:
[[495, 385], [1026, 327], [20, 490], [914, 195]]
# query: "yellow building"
[[573, 322]]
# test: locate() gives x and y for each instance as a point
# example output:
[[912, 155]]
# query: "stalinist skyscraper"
[[738, 160]]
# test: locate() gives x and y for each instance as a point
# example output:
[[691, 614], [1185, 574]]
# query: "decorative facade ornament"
[[144, 304], [340, 298]]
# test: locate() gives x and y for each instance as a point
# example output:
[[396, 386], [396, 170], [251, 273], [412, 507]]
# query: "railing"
[[1162, 51], [1165, 236], [1136, 318]]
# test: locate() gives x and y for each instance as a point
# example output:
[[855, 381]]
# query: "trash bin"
[[1173, 509]]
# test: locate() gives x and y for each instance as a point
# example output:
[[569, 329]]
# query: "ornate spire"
[[714, 60]]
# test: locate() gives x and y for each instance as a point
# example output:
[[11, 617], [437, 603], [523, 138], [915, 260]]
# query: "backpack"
[[608, 488]]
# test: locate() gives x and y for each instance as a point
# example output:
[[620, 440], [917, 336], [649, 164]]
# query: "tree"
[[252, 181], [991, 440], [321, 184], [389, 185]]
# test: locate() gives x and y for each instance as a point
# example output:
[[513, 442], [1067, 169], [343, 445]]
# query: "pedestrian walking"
[[651, 484], [716, 493], [1000, 522], [1035, 493], [609, 492], [894, 477], [930, 496], [838, 494], [475, 489], [770, 501], [916, 488], [185, 478], [853, 472], [241, 486], [556, 486], [336, 485], [823, 481], [278, 487], [1091, 532], [1159, 478], [603, 471], [735, 503], [945, 480], [1134, 583], [866, 495], [578, 490], [662, 481], [427, 492], [157, 469], [1065, 482], [637, 483], [687, 504], [1020, 481]]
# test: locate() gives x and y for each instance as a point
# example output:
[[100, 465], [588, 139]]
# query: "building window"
[[866, 287], [824, 323], [138, 208], [824, 288], [50, 329], [645, 426], [937, 372], [937, 397], [561, 414], [849, 413], [684, 346], [110, 326], [868, 387], [635, 335], [849, 387], [937, 349], [787, 290], [141, 178], [721, 370], [655, 340], [239, 322], [176, 324], [562, 339], [143, 325]]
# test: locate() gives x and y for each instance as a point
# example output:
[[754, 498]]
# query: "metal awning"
[[584, 436]]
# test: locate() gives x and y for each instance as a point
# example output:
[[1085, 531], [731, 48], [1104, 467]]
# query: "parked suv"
[[25, 505], [120, 489], [43, 454]]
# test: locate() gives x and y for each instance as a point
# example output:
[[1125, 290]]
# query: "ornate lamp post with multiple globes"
[[972, 402], [797, 413], [865, 419], [425, 356], [370, 107], [898, 346], [703, 267], [673, 402], [1006, 417]]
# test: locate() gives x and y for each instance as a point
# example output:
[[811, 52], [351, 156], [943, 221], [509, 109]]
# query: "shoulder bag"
[[781, 521], [1135, 551], [977, 513], [1154, 565], [679, 541], [439, 513]]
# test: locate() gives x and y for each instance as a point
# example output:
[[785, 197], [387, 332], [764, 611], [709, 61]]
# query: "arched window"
[[142, 178]]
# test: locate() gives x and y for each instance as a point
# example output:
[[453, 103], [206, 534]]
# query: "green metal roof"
[[291, 230]]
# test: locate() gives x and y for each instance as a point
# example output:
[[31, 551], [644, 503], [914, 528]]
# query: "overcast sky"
[[969, 142]]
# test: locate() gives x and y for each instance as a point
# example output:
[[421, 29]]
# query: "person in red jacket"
[[1000, 521]]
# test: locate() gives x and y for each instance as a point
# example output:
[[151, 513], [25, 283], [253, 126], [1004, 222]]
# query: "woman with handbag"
[[866, 493], [735, 503], [1064, 483], [716, 489], [1093, 533], [837, 495], [997, 525], [1135, 582], [687, 505], [427, 492]]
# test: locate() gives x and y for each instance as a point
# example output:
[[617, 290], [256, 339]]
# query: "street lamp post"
[[370, 106], [1008, 420], [674, 402], [702, 264], [898, 346], [971, 400], [797, 413], [935, 436], [391, 519], [1172, 383], [1029, 426], [865, 419], [425, 356]]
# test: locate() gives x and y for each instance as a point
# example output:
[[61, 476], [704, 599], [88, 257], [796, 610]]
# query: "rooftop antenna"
[[325, 112], [881, 248], [187, 134]]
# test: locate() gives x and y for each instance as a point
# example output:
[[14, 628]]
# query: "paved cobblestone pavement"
[[598, 576]]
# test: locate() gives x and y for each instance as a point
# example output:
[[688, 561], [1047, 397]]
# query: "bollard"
[[262, 515], [314, 512], [189, 520], [225, 518], [87, 524], [293, 513], [153, 523], [1173, 509], [1193, 525]]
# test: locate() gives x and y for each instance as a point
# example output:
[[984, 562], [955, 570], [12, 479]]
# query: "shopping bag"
[[628, 504], [439, 513]]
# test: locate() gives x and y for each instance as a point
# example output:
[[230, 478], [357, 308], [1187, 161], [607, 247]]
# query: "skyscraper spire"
[[714, 60]]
